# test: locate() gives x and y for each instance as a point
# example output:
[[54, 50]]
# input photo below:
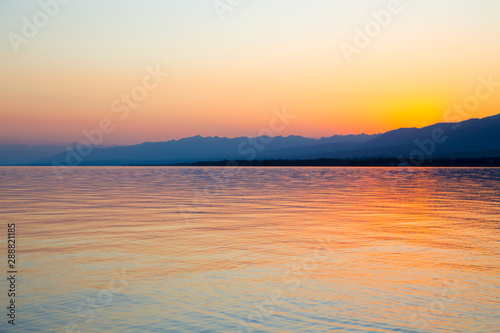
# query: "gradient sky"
[[226, 76]]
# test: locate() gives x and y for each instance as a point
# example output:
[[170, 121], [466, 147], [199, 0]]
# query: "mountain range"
[[467, 139]]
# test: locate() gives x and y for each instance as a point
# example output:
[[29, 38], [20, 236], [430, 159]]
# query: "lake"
[[200, 249]]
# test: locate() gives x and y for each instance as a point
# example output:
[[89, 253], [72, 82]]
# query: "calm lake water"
[[167, 249]]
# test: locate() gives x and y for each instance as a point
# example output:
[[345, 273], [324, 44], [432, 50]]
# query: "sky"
[[338, 67]]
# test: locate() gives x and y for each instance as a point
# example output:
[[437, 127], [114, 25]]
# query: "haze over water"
[[167, 249]]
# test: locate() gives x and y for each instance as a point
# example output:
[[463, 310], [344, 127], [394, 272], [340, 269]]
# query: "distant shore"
[[361, 162]]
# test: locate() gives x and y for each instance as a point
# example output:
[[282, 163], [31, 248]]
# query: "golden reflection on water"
[[348, 249]]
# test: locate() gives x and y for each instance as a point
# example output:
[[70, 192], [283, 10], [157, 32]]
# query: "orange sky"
[[226, 76]]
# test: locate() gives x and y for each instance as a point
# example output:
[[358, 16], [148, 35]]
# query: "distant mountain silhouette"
[[21, 154], [199, 148], [468, 139]]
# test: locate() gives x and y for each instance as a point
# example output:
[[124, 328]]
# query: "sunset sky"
[[229, 69]]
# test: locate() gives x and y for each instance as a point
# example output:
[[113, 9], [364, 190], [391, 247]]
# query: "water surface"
[[167, 249]]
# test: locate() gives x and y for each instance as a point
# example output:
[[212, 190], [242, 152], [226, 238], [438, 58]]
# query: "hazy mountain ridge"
[[198, 148], [470, 138], [21, 154]]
